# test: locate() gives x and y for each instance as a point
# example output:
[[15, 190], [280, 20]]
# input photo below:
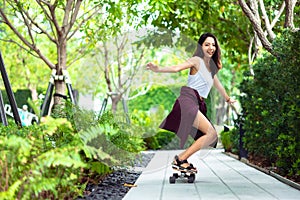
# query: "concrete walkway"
[[219, 177]]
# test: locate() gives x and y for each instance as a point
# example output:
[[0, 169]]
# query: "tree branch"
[[74, 16], [278, 15], [54, 19], [128, 82], [67, 10], [83, 21], [24, 40], [142, 92], [46, 13], [289, 14], [256, 25], [106, 68], [43, 31], [120, 49], [21, 46], [266, 19], [28, 26]]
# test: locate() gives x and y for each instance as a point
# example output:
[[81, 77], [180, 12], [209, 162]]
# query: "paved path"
[[219, 177]]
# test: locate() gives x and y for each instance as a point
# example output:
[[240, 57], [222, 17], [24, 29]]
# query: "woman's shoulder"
[[195, 60], [198, 61]]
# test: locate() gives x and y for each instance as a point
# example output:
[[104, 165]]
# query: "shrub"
[[227, 141], [157, 95], [149, 122], [53, 160], [32, 167], [271, 106], [230, 138]]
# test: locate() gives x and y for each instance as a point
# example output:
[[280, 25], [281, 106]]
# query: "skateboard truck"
[[189, 175]]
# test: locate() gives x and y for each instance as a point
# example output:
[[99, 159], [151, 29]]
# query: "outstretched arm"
[[222, 90], [172, 69]]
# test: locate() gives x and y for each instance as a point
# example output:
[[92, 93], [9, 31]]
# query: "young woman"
[[188, 115]]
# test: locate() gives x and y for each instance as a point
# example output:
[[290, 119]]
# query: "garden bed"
[[117, 184]]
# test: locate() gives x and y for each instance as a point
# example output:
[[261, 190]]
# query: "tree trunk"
[[289, 14], [60, 90], [34, 93], [60, 86], [257, 27], [115, 99]]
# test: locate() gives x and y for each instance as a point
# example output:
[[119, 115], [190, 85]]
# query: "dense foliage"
[[192, 18], [157, 95], [271, 106], [33, 168], [54, 160]]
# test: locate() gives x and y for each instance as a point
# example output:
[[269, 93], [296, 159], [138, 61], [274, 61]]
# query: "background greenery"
[[271, 108], [56, 158]]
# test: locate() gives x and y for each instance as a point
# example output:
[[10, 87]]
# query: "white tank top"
[[202, 81]]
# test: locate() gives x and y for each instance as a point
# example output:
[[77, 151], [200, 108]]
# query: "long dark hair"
[[215, 62]]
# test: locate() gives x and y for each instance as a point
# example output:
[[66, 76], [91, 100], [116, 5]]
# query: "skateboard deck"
[[190, 176]]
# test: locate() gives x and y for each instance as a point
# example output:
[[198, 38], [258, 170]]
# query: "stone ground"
[[219, 177], [112, 187]]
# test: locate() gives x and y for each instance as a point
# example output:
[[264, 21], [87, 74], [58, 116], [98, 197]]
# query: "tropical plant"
[[33, 167], [56, 158]]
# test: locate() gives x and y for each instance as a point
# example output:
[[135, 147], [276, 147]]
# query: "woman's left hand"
[[152, 67], [231, 101]]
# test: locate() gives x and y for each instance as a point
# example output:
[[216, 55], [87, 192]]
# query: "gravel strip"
[[112, 187]]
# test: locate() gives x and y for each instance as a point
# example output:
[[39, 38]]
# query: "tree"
[[25, 71], [192, 18], [264, 34], [121, 63], [64, 24]]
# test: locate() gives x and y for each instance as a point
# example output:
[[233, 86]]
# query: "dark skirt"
[[180, 120]]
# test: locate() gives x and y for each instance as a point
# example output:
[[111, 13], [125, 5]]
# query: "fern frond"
[[97, 145], [65, 156], [11, 192], [93, 140]]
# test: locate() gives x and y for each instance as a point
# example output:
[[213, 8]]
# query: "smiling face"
[[209, 47]]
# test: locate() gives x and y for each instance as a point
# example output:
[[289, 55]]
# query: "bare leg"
[[209, 137]]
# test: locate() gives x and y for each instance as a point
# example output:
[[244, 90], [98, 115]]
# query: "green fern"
[[94, 141], [35, 170], [67, 157], [49, 160], [98, 145], [9, 194]]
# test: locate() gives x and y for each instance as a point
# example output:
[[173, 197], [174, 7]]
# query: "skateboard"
[[183, 174]]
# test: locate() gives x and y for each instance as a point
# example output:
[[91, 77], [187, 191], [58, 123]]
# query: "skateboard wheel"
[[172, 179], [175, 175], [191, 178]]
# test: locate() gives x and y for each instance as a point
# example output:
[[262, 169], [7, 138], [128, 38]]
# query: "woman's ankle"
[[182, 156]]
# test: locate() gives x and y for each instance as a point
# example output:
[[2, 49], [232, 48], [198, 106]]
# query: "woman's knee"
[[213, 133]]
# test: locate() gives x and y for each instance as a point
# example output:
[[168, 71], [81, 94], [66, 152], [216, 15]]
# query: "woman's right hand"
[[152, 67]]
